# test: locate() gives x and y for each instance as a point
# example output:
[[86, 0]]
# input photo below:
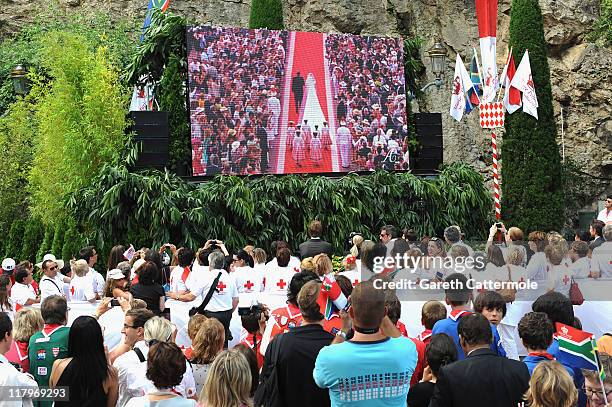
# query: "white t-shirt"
[[21, 293], [247, 280], [223, 295], [9, 376], [176, 279], [559, 279], [9, 311], [353, 275], [601, 260], [581, 267], [98, 281], [605, 216], [82, 288], [51, 286], [260, 271], [278, 279], [536, 269], [294, 263], [133, 381]]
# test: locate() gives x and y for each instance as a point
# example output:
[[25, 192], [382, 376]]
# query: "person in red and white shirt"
[[181, 273], [289, 316], [606, 213], [248, 282], [279, 276], [82, 284], [22, 293]]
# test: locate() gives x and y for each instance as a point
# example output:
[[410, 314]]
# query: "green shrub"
[[148, 209], [33, 235], [267, 14], [45, 246], [532, 192], [602, 29], [81, 121], [14, 241]]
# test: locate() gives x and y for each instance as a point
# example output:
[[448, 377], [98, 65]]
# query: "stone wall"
[[580, 71]]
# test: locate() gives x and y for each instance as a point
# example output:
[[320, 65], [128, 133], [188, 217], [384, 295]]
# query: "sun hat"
[[49, 256]]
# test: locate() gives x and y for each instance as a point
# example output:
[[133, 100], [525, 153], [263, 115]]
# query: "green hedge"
[[532, 188], [153, 207], [267, 14]]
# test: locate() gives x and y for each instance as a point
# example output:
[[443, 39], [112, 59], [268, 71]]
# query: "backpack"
[[267, 391]]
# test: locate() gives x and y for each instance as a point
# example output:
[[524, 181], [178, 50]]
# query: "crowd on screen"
[[338, 341], [369, 90], [234, 89]]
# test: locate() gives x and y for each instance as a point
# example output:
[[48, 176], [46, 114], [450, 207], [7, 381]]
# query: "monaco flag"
[[461, 84], [523, 81], [486, 13], [512, 96]]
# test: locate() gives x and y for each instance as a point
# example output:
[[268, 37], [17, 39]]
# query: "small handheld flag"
[[576, 347]]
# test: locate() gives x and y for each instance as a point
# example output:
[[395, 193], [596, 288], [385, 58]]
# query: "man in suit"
[[315, 245], [297, 86], [262, 135], [482, 378]]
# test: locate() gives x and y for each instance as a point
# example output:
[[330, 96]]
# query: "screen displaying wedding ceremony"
[[278, 102]]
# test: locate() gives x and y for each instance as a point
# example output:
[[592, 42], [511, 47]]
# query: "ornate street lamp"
[[19, 75], [437, 55]]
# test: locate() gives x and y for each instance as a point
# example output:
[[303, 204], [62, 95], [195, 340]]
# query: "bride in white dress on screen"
[[312, 108]]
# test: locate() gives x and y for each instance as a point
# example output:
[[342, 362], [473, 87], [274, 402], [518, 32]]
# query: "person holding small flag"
[[598, 384]]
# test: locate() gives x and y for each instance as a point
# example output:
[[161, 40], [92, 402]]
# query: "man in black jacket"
[[298, 350], [315, 245], [482, 378]]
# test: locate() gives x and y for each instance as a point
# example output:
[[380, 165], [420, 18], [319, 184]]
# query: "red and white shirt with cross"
[[559, 279], [248, 281], [224, 293], [278, 279]]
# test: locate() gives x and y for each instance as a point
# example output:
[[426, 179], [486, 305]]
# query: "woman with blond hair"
[[228, 383], [207, 343], [551, 386], [27, 322]]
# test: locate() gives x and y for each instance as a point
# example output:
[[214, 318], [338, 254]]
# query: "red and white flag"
[[512, 96], [523, 81], [462, 82], [486, 13]]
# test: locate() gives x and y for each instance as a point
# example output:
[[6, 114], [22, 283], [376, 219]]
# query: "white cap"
[[115, 274], [137, 265], [49, 256], [8, 264]]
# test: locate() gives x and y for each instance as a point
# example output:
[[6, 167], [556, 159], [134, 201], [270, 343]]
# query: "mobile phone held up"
[[114, 303]]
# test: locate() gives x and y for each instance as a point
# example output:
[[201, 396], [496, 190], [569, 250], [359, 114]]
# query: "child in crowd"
[[432, 312], [536, 332]]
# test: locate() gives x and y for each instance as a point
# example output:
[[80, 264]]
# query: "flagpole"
[[599, 370], [505, 72], [479, 75]]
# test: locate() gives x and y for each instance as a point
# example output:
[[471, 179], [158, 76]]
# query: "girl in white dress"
[[297, 150], [315, 148]]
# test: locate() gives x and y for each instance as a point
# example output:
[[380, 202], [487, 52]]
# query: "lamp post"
[[437, 55], [19, 75]]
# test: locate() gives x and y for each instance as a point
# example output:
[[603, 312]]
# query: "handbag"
[[508, 294], [266, 394], [575, 295]]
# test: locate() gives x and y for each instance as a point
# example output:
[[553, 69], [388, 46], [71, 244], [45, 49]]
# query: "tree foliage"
[[267, 14], [153, 208], [532, 192], [81, 122], [602, 29]]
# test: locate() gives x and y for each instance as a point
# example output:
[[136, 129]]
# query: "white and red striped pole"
[[495, 177]]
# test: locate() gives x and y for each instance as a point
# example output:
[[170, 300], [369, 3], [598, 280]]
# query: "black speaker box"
[[151, 130], [429, 135]]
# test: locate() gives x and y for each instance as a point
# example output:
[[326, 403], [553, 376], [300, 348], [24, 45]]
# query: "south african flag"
[[576, 347]]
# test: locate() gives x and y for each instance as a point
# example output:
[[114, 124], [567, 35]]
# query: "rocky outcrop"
[[580, 71]]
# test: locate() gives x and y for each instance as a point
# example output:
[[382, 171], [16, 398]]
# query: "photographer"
[[254, 319]]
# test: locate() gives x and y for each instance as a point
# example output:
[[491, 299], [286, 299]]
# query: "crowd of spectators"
[[320, 349], [369, 91], [235, 86]]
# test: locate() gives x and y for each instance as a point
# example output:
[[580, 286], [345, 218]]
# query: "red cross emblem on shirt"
[[281, 284], [221, 286], [248, 285], [355, 282], [522, 280], [72, 290], [565, 279]]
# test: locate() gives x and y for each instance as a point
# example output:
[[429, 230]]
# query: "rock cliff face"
[[581, 72]]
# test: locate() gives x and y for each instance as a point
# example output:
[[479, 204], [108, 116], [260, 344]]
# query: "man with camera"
[[254, 317], [377, 356]]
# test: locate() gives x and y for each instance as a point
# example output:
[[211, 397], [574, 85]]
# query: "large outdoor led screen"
[[277, 102]]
